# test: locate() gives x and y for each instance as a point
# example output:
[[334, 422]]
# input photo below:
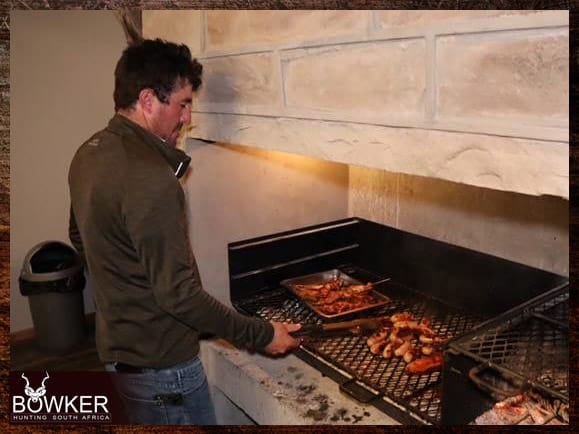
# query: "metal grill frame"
[[508, 344]]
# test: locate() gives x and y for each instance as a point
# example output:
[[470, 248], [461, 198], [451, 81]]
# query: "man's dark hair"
[[154, 64]]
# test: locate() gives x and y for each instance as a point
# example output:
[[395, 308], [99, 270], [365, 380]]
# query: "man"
[[128, 223]]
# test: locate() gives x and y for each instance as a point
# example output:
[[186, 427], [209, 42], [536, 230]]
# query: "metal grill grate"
[[534, 345], [418, 394]]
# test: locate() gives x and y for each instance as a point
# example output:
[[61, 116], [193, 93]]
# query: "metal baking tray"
[[376, 299]]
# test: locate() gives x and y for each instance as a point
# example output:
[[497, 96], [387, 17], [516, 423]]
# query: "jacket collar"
[[177, 159]]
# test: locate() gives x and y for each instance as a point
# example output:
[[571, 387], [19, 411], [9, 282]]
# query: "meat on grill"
[[425, 364], [414, 341], [336, 296]]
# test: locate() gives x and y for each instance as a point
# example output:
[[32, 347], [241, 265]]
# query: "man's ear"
[[146, 98]]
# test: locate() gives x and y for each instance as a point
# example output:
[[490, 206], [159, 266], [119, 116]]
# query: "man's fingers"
[[293, 327]]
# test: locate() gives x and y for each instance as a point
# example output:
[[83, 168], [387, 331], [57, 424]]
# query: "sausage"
[[427, 350], [409, 355], [380, 335], [406, 325], [378, 347], [401, 350], [388, 351]]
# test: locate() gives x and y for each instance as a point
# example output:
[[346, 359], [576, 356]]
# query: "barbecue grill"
[[524, 349], [459, 290]]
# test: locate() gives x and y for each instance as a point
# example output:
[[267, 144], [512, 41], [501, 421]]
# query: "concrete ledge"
[[282, 391]]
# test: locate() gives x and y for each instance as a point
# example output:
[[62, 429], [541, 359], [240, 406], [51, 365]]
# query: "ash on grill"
[[529, 408], [317, 406]]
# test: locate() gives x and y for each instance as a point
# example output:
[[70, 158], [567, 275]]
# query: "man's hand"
[[282, 341]]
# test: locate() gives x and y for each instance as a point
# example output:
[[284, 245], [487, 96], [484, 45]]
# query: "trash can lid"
[[50, 260]]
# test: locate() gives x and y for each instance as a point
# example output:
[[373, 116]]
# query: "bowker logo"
[[36, 406], [35, 395]]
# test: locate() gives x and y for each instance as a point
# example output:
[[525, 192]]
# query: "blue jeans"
[[178, 395]]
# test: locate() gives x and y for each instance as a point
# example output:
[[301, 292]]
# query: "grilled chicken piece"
[[331, 298], [346, 304], [315, 291], [425, 364], [307, 293], [336, 296], [360, 289], [302, 287]]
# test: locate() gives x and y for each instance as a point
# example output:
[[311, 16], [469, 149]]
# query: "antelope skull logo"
[[35, 395]]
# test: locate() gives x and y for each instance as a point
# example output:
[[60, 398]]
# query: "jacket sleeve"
[[74, 236], [154, 211]]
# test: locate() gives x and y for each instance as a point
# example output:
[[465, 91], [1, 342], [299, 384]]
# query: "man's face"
[[169, 118]]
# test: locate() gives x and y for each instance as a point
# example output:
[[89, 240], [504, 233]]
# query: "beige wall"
[[527, 229], [475, 97], [61, 84], [237, 192]]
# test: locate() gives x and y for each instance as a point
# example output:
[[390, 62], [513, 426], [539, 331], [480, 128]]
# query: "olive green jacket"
[[128, 222]]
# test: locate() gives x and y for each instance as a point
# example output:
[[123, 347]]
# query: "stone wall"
[[473, 97]]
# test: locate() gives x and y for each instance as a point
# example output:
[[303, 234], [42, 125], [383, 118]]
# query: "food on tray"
[[414, 341], [325, 293], [337, 296]]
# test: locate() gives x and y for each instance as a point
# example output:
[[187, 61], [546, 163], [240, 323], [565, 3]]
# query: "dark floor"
[[26, 355]]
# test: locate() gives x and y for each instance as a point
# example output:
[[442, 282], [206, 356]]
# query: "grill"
[[448, 284], [377, 378], [521, 350]]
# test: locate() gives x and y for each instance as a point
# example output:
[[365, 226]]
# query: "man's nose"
[[186, 116]]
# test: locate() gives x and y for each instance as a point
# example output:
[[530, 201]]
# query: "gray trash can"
[[53, 279]]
